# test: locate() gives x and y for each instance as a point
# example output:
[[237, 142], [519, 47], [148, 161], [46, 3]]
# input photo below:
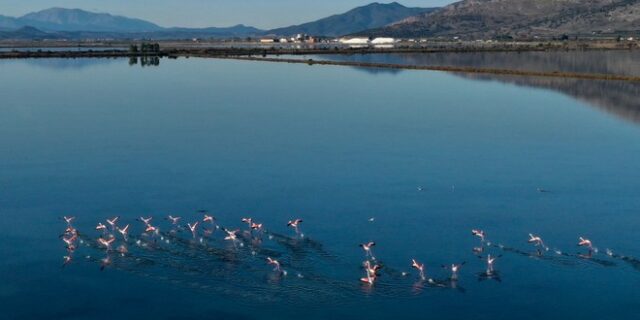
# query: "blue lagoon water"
[[334, 146]]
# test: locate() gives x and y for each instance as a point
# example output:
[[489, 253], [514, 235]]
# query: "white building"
[[356, 41], [383, 41]]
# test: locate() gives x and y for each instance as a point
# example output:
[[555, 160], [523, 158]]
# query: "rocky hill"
[[374, 15], [521, 18], [61, 19]]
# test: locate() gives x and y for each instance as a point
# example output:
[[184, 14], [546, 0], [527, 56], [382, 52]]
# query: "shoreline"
[[119, 52], [55, 49]]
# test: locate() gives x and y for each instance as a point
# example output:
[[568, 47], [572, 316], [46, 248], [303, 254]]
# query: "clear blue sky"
[[201, 13]]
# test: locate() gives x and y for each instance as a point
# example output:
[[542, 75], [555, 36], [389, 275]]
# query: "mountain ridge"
[[361, 18], [77, 23], [8, 23], [62, 19], [494, 18]]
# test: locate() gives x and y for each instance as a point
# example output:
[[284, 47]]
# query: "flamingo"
[[295, 224], [112, 222], [256, 226], [70, 241], [124, 231], [368, 249], [418, 266], [174, 220], [371, 270], [490, 261], [70, 231], [101, 226], [231, 235], [208, 218], [150, 229], [536, 240], [454, 269], [68, 220], [274, 263], [106, 243], [583, 242], [193, 227], [478, 233], [146, 221]]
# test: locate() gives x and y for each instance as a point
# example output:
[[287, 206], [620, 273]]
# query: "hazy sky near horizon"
[[209, 13]]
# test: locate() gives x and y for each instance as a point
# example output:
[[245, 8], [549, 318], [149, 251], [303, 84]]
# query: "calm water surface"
[[334, 146], [55, 49], [616, 97]]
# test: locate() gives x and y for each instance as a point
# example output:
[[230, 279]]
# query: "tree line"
[[145, 48]]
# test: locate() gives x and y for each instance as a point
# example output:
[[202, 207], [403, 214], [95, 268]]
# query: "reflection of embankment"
[[620, 62], [616, 97]]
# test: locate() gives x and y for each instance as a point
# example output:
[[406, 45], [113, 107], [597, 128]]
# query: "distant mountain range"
[[8, 23], [69, 20], [57, 23], [26, 33], [59, 19], [374, 15], [495, 18], [466, 19], [60, 23]]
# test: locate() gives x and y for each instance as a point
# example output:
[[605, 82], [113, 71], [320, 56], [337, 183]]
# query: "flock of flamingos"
[[112, 232]]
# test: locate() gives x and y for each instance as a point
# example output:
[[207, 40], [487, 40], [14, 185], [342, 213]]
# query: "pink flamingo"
[[368, 249], [274, 263], [295, 225], [193, 227], [418, 266], [478, 233], [112, 222], [174, 220], [106, 243]]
